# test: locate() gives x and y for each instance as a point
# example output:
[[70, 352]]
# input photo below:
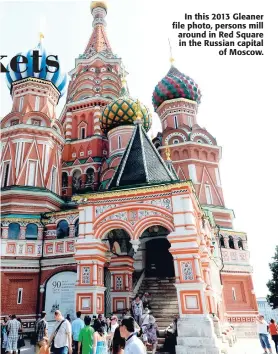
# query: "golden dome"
[[95, 4]]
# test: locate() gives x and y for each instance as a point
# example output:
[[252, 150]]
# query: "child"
[[44, 346]]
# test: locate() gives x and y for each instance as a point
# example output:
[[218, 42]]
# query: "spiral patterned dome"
[[175, 85], [123, 111], [58, 78]]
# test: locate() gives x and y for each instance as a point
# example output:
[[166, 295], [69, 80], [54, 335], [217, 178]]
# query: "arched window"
[[64, 179], [176, 122], [119, 142], [76, 228], [240, 244], [14, 231], [76, 181], [6, 174], [89, 177], [231, 242], [222, 244], [63, 229], [37, 103], [31, 232]]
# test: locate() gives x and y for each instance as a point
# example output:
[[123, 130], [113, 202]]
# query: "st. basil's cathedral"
[[94, 211]]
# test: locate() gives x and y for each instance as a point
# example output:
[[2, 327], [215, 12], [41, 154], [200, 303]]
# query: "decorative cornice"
[[122, 192]]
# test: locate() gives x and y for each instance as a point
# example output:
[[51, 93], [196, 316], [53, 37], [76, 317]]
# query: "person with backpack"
[[61, 339], [41, 328]]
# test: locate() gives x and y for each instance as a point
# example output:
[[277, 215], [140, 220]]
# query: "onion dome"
[[175, 85], [95, 4], [57, 78], [123, 111]]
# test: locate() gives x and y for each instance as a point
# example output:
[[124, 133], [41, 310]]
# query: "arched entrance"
[[158, 260]]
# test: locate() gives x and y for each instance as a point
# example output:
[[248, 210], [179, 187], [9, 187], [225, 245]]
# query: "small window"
[[176, 141], [82, 153], [208, 194], [36, 122], [15, 122], [119, 142], [82, 133], [31, 232], [6, 174], [21, 100], [189, 121], [32, 173], [74, 154], [37, 103], [19, 296], [53, 179], [89, 152], [234, 294], [63, 229], [176, 122]]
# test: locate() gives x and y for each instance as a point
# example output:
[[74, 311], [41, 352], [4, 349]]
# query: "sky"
[[238, 92]]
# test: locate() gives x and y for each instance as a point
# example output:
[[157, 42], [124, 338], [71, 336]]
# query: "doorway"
[[159, 261]]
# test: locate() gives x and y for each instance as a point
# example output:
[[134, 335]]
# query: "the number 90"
[[56, 284]]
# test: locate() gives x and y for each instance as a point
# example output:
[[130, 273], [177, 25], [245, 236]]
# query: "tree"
[[273, 283]]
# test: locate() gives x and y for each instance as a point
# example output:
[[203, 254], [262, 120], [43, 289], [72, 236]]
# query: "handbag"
[[20, 342], [51, 344]]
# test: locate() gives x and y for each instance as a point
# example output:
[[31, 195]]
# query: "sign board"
[[60, 295]]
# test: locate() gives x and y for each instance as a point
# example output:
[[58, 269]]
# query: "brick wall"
[[10, 283]]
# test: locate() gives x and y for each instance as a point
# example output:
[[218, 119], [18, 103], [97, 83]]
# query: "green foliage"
[[273, 283]]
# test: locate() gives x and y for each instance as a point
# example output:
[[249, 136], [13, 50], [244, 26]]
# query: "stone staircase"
[[163, 303]]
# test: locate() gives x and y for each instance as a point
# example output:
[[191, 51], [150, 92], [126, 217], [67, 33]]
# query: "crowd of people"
[[135, 333]]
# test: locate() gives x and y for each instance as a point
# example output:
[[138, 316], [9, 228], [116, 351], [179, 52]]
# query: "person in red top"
[[273, 330]]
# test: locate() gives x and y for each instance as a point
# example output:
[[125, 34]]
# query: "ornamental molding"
[[21, 221], [175, 134], [173, 188], [204, 136]]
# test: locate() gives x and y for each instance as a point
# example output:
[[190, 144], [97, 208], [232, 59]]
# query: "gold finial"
[[167, 152], [171, 55], [139, 114], [41, 36]]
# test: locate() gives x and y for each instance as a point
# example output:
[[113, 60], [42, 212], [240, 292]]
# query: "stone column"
[[236, 242], [5, 231], [245, 245], [22, 235], [69, 187], [195, 328], [91, 253], [226, 241], [40, 232], [71, 231], [121, 268], [83, 180]]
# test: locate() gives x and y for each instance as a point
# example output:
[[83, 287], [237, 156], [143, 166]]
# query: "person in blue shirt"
[[77, 325]]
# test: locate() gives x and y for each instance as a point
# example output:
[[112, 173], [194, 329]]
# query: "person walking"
[[44, 346], [118, 343], [151, 334], [61, 336], [13, 327], [137, 309], [41, 330], [100, 341], [133, 344], [273, 330], [4, 335], [99, 322], [76, 327], [263, 333], [85, 338]]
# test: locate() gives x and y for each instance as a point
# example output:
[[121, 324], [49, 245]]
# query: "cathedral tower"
[[195, 155], [95, 82], [32, 140]]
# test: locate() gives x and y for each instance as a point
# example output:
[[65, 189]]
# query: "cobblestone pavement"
[[243, 346]]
